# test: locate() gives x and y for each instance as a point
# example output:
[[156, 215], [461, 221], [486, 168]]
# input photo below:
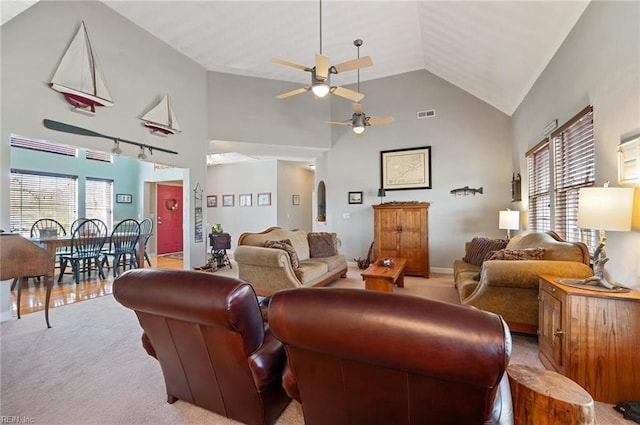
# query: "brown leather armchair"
[[364, 357], [207, 332]]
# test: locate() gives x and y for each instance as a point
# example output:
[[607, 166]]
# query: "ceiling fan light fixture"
[[320, 89], [358, 123]]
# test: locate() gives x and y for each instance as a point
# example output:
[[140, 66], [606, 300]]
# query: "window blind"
[[99, 200], [574, 167], [36, 195], [98, 156], [42, 146], [539, 174]]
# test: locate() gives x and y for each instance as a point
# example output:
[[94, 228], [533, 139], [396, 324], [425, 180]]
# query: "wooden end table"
[[382, 278]]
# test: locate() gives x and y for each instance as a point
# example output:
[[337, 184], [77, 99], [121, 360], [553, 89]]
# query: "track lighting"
[[142, 155], [116, 148]]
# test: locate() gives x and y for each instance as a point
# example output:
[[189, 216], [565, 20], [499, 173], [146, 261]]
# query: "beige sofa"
[[271, 269], [510, 288]]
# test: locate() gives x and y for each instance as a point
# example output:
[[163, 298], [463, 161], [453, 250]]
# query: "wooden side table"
[[592, 338], [544, 397]]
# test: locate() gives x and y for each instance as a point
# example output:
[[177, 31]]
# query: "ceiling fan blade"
[[291, 64], [379, 121], [357, 108], [353, 96], [352, 64], [322, 67], [345, 122], [293, 92]]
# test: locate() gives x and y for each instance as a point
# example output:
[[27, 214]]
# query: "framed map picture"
[[406, 168]]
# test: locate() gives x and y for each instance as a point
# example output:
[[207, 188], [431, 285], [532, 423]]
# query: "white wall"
[[470, 147], [138, 68], [295, 180], [598, 64]]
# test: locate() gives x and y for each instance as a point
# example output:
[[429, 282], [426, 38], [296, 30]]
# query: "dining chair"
[[87, 241], [122, 244], [41, 228], [76, 223], [146, 229]]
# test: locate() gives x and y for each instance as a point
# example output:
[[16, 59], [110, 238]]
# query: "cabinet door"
[[412, 238], [551, 331], [387, 235]]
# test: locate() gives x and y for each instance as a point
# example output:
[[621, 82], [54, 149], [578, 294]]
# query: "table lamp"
[[509, 220], [604, 208], [381, 193]]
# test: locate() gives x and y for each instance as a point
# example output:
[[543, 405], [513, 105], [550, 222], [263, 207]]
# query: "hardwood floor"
[[68, 292]]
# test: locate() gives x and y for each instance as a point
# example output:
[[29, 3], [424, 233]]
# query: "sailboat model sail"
[[161, 119], [78, 76]]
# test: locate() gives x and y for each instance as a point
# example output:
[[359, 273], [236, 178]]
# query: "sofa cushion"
[[518, 254], [479, 247], [285, 244], [310, 270], [334, 262], [322, 244]]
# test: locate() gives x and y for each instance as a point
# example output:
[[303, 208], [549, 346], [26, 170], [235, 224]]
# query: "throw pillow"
[[479, 247], [518, 254], [285, 245], [322, 244]]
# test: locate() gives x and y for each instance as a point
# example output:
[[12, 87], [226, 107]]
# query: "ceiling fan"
[[359, 120], [321, 74]]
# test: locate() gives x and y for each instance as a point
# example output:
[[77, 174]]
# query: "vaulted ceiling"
[[493, 50]]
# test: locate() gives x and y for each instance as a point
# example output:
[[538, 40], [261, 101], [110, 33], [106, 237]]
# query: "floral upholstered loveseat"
[[510, 288], [278, 259]]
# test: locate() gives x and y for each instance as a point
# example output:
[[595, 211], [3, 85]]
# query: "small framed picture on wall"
[[227, 200], [355, 197], [212, 201], [264, 199], [124, 198]]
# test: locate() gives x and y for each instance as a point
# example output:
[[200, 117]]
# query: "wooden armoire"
[[401, 229]]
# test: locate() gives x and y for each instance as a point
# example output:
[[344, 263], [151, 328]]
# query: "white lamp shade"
[[605, 208], [509, 220]]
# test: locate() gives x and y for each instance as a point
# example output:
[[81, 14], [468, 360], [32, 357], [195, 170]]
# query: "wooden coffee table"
[[382, 278]]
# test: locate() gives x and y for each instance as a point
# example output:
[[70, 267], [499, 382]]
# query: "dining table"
[[51, 244]]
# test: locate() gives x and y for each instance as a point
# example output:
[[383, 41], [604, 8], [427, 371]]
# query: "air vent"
[[426, 114]]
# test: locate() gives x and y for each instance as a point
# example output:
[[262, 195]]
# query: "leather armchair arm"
[[267, 362]]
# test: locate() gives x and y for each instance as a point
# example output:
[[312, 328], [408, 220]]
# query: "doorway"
[[169, 219]]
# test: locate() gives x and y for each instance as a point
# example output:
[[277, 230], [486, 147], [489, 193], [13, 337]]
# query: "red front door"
[[169, 231]]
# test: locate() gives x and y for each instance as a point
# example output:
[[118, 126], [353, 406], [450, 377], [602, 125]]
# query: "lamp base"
[[599, 281]]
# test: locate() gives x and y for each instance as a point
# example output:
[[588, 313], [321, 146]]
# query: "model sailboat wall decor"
[[78, 76], [161, 119]]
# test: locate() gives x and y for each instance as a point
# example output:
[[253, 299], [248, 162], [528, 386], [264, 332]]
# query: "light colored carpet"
[[90, 367]]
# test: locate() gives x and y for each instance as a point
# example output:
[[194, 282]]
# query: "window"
[[98, 156], [539, 173], [574, 167], [42, 146], [36, 195], [99, 200]]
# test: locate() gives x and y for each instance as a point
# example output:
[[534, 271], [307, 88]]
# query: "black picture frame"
[[124, 198], [405, 169], [355, 197]]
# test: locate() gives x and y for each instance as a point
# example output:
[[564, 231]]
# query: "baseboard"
[[443, 270]]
